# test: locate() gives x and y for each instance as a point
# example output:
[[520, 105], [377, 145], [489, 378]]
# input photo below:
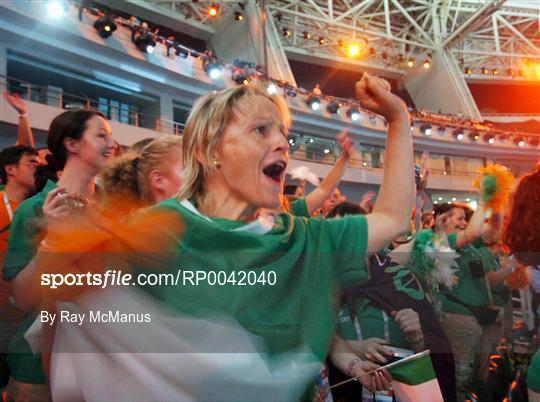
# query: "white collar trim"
[[261, 226]]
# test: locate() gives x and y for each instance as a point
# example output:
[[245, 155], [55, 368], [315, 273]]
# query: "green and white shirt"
[[310, 258], [472, 286]]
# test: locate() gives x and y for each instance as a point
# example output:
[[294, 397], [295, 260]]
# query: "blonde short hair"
[[209, 117], [125, 180]]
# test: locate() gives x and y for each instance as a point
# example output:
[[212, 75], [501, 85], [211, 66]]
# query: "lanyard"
[[386, 327], [8, 206]]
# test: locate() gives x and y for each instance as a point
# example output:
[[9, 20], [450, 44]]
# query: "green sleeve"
[[533, 373], [452, 240], [349, 236], [479, 242], [24, 237], [299, 208]]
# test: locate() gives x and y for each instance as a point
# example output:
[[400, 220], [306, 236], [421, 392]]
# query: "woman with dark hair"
[[522, 237], [521, 234], [81, 144]]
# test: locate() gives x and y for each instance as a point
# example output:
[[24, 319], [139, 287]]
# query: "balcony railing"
[[55, 97], [319, 150]]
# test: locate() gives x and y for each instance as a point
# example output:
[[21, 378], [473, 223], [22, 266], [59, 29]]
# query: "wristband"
[[351, 365], [419, 340], [23, 115]]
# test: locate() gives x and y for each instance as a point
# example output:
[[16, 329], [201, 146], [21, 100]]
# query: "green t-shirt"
[[533, 373], [372, 323], [310, 258], [299, 208], [472, 286], [499, 292], [24, 238]]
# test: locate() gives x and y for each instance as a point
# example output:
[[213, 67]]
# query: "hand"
[[16, 102], [409, 322], [374, 95], [59, 204], [345, 143], [371, 349], [441, 221], [367, 201], [377, 380]]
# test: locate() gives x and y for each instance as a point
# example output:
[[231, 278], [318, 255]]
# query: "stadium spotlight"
[[410, 62], [313, 102], [213, 10], [271, 89], [459, 134], [213, 70], [426, 129], [146, 43], [353, 114], [242, 79], [468, 71], [490, 139], [474, 136], [353, 50], [520, 141], [427, 64], [56, 8], [105, 26], [306, 35], [238, 16], [321, 41]]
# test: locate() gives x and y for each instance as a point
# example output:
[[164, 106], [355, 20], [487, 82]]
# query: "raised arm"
[[493, 229], [475, 228], [24, 131], [392, 211], [324, 190]]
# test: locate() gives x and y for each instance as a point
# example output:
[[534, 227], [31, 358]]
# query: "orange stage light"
[[353, 50], [213, 10]]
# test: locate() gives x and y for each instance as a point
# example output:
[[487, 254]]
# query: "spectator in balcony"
[[81, 142], [24, 131], [324, 192], [208, 57], [317, 90], [17, 167]]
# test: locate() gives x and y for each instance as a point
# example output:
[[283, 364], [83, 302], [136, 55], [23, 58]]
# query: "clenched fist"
[[374, 95]]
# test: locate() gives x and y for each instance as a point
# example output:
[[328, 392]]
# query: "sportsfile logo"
[[114, 277]]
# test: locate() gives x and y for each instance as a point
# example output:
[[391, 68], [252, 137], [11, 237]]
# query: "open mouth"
[[275, 171]]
